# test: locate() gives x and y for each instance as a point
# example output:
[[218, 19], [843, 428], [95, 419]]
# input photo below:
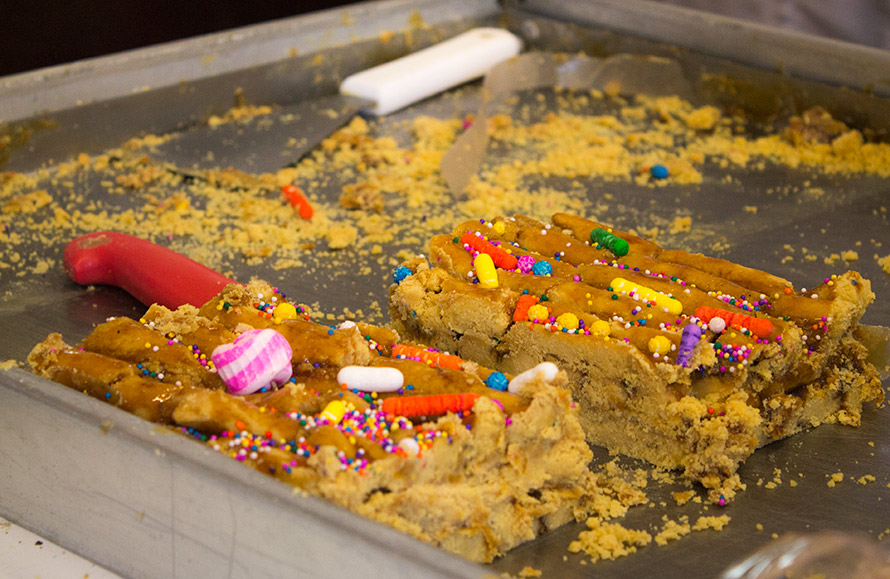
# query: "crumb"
[[758, 526], [681, 498], [681, 225], [530, 572], [866, 479], [752, 209], [608, 540], [672, 531], [834, 479], [716, 523]]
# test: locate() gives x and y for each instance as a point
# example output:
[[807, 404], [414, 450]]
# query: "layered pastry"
[[687, 361], [469, 459]]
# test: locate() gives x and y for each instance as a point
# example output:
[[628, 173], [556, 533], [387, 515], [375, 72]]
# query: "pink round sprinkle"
[[525, 263]]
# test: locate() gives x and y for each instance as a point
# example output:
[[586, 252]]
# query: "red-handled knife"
[[147, 271]]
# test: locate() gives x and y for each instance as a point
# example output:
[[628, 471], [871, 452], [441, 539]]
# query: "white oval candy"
[[545, 371], [370, 379]]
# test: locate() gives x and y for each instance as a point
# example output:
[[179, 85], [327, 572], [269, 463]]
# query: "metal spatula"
[[271, 142]]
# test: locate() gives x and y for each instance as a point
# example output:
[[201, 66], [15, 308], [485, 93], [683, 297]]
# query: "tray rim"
[[103, 420]]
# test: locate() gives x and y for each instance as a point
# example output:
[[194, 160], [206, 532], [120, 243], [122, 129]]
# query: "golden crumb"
[[866, 479], [716, 523], [681, 498], [9, 364], [608, 540], [834, 479], [672, 531], [681, 225], [529, 572]]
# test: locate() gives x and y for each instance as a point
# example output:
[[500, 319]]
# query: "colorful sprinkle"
[[432, 405], [497, 381], [669, 304], [485, 271], [659, 172], [760, 327], [499, 257], [688, 340], [370, 378], [542, 268], [610, 241]]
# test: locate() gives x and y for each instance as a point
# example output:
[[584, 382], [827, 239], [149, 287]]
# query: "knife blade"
[[271, 142]]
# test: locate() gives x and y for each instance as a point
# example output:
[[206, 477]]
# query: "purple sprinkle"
[[688, 339]]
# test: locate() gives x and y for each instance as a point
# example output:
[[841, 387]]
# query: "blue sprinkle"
[[400, 273], [659, 171], [542, 268], [497, 381], [108, 395]]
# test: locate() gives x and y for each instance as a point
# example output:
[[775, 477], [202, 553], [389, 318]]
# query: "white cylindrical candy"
[[545, 371], [371, 378]]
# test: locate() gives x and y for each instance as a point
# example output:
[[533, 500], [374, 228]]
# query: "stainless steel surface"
[[260, 147], [97, 493], [803, 55], [147, 503]]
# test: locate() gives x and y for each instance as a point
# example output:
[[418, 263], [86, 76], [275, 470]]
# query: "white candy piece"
[[545, 371], [717, 324], [412, 78], [370, 379], [346, 325], [410, 446]]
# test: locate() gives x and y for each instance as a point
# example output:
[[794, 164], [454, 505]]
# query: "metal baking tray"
[[125, 494]]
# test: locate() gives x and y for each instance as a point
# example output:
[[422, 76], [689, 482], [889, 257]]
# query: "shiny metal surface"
[[37, 488]]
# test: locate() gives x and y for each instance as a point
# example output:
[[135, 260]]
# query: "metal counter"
[[125, 494]]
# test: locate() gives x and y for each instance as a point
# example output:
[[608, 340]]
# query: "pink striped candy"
[[256, 359]]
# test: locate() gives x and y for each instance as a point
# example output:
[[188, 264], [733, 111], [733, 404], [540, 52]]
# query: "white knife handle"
[[412, 78]]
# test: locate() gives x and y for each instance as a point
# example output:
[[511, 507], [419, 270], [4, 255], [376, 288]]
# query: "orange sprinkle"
[[297, 199], [760, 327], [428, 357], [240, 425], [525, 301], [433, 405], [501, 258]]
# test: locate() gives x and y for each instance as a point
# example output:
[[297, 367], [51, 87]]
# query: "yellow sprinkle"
[[538, 312], [334, 411], [485, 271], [672, 305], [147, 345], [568, 321], [600, 328], [499, 227], [659, 345], [284, 311]]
